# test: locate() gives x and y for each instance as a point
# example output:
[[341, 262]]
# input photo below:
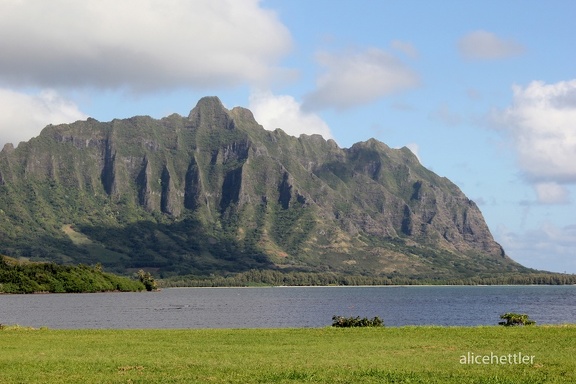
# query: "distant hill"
[[215, 193]]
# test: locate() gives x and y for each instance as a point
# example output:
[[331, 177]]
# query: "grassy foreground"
[[319, 355]]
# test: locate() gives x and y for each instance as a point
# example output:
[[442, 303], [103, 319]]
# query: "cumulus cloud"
[[139, 44], [483, 45], [551, 193], [23, 116], [406, 48], [542, 124], [446, 116], [547, 247], [355, 78], [284, 112]]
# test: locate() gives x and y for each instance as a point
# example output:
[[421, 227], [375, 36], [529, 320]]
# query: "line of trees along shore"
[[278, 278], [28, 277]]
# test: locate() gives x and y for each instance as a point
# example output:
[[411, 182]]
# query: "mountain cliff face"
[[214, 192]]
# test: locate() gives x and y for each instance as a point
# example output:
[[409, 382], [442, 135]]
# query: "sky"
[[482, 91]]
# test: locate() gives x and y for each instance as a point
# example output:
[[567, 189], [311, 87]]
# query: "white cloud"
[[406, 48], [23, 116], [354, 78], [483, 45], [551, 193], [284, 112], [473, 94], [446, 116], [542, 124], [139, 44], [548, 247]]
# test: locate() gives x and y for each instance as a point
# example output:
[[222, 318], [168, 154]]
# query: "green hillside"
[[215, 193]]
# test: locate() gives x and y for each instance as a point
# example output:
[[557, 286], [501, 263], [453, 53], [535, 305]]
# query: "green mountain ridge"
[[215, 193]]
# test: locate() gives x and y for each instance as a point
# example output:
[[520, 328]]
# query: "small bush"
[[346, 322], [515, 319]]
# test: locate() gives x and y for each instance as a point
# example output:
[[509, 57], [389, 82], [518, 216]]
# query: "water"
[[276, 307]]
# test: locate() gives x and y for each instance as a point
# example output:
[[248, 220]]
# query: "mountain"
[[215, 193]]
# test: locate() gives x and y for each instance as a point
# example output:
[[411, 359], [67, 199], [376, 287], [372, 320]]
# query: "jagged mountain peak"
[[210, 110], [208, 104], [214, 192]]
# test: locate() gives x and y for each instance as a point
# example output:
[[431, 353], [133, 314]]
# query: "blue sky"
[[484, 92]]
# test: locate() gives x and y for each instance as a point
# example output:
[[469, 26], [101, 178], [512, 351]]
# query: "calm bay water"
[[276, 307]]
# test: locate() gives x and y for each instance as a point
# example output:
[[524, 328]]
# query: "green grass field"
[[318, 355]]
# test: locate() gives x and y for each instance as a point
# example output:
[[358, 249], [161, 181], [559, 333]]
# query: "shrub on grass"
[[347, 322], [515, 319]]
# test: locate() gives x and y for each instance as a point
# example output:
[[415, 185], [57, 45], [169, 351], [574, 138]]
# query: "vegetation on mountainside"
[[27, 277], [214, 193]]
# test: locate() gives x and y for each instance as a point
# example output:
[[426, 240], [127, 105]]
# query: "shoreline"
[[297, 286], [380, 286]]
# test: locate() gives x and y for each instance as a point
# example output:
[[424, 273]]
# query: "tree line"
[[29, 277], [295, 278]]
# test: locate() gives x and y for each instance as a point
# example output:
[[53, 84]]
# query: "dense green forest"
[[28, 277], [278, 278]]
